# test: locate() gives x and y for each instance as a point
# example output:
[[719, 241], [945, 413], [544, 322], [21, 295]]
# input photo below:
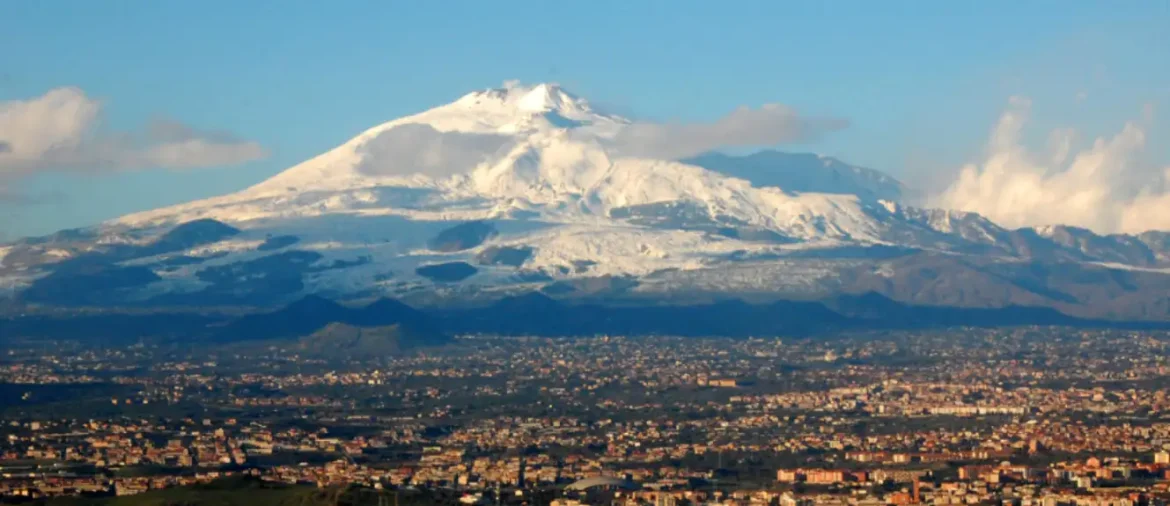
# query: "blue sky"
[[921, 82]]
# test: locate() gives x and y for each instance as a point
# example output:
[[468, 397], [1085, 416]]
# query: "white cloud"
[[60, 130], [1104, 187], [769, 125], [1060, 144], [420, 149]]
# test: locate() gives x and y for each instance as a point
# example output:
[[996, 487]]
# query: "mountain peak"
[[537, 98], [543, 97]]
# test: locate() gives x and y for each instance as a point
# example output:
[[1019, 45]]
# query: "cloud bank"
[[1103, 187], [410, 149], [768, 125], [421, 149], [59, 131]]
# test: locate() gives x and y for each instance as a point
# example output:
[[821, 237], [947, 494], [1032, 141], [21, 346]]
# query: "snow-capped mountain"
[[518, 150], [528, 187]]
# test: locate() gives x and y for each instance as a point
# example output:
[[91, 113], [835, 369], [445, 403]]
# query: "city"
[[1030, 415]]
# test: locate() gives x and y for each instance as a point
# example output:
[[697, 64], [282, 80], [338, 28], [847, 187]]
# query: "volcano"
[[531, 188]]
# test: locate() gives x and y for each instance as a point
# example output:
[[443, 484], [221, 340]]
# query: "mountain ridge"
[[534, 314]]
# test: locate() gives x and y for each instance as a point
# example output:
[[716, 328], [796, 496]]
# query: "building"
[[824, 477], [787, 476], [665, 500]]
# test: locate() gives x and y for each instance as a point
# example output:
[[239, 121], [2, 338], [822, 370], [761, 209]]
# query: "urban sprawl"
[[1019, 416]]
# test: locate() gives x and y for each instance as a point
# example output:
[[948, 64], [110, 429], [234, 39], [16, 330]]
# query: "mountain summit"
[[541, 98], [527, 188]]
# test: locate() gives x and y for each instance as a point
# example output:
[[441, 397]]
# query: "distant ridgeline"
[[320, 326]]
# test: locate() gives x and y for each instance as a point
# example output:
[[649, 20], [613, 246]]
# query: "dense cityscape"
[[1030, 415]]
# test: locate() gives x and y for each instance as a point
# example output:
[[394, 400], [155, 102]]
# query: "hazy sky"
[[260, 85]]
